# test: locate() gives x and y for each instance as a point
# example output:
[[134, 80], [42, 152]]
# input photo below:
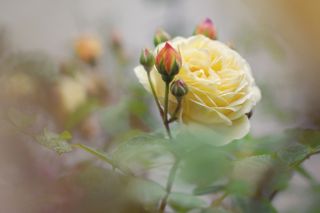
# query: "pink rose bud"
[[179, 88], [160, 37], [168, 62], [207, 29], [147, 59]]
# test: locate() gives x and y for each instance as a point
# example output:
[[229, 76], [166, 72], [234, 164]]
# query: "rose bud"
[[147, 59], [160, 37], [88, 49], [168, 62], [116, 41], [179, 88], [207, 29]]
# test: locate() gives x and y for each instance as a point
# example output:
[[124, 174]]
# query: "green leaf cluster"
[[56, 142]]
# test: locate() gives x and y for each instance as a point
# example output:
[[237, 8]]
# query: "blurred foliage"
[[55, 142], [250, 171], [242, 177], [35, 64]]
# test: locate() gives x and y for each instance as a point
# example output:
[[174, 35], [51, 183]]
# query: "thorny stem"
[[174, 116], [175, 167], [218, 201], [303, 159], [102, 157], [171, 178], [155, 95], [165, 113]]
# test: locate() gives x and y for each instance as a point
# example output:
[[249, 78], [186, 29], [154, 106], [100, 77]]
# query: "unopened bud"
[[160, 37], [147, 59], [168, 62], [116, 41], [207, 29], [179, 88]]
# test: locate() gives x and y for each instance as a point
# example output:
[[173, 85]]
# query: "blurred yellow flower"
[[221, 87], [88, 48], [71, 93]]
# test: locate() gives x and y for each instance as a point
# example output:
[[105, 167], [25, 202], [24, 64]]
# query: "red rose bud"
[[160, 37], [147, 59], [168, 62], [207, 29], [179, 88]]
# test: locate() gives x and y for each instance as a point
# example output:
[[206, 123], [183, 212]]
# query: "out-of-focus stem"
[[101, 156], [169, 185], [218, 201], [174, 116], [165, 113], [155, 94]]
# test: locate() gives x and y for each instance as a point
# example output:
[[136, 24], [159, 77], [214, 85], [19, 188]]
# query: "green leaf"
[[248, 168], [187, 140], [291, 146], [308, 137], [281, 178], [143, 152], [248, 172], [115, 118], [146, 192], [204, 165], [81, 113], [254, 205], [239, 187], [263, 207], [208, 189], [65, 135], [54, 142], [293, 152], [260, 146], [184, 202]]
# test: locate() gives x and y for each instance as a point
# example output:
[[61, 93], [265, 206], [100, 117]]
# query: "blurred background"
[[68, 65]]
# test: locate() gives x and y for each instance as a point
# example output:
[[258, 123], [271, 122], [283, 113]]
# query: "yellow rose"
[[221, 87]]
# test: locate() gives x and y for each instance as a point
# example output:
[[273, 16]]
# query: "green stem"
[[166, 105], [295, 164], [101, 156], [174, 116], [169, 185], [155, 95], [304, 173], [218, 201]]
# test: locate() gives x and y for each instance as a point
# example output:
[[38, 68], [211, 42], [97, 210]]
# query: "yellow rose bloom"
[[221, 87]]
